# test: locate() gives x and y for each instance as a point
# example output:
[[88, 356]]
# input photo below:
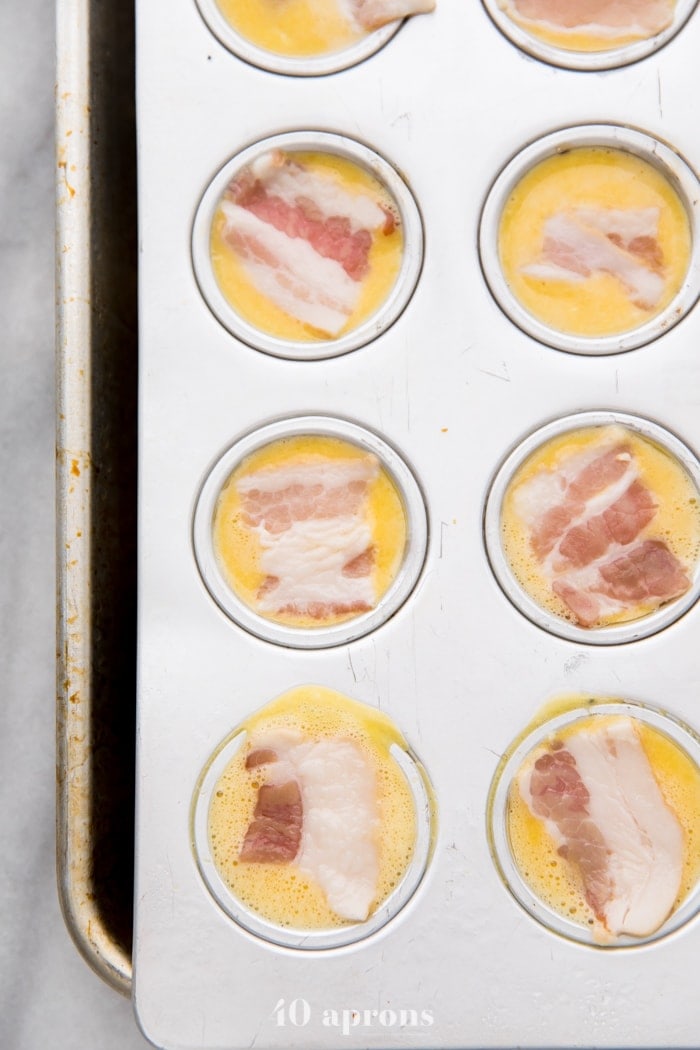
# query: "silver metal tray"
[[453, 385], [96, 479]]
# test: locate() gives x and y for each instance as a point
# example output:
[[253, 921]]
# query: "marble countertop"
[[49, 998]]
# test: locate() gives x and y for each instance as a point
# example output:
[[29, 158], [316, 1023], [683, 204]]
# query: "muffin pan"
[[441, 392]]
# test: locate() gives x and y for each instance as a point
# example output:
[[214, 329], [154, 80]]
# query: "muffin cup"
[[615, 633], [622, 55], [292, 65], [321, 636], [497, 821], [288, 936], [376, 323], [674, 169]]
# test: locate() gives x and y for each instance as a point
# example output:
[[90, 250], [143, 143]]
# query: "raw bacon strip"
[[619, 524], [290, 272], [557, 793], [553, 500], [331, 238], [304, 240], [601, 803], [308, 560], [262, 756], [276, 176], [585, 519], [340, 848], [337, 792], [604, 18], [275, 497], [648, 572], [371, 14], [634, 229], [315, 537], [580, 243], [274, 835]]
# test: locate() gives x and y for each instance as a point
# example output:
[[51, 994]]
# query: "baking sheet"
[[96, 376], [453, 385]]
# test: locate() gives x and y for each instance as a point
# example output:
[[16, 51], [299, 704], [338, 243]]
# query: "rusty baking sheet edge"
[[96, 480]]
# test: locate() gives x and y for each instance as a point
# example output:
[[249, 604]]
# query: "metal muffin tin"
[[453, 384]]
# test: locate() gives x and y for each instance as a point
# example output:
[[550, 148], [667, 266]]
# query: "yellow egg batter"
[[279, 892], [676, 522], [385, 258], [549, 876], [238, 546], [589, 178], [295, 28]]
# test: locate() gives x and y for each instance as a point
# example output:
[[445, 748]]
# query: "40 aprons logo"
[[297, 1013]]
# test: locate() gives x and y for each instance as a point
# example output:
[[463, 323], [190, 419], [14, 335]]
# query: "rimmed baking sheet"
[[96, 370]]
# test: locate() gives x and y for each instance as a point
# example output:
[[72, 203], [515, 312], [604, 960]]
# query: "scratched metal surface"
[[453, 385]]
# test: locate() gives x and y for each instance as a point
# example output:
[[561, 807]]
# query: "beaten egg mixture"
[[587, 178], [296, 28], [279, 892]]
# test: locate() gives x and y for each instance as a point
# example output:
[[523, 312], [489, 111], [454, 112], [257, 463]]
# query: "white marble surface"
[[49, 998]]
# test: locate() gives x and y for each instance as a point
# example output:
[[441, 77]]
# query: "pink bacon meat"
[[606, 18], [303, 239], [620, 523], [646, 573], [568, 492], [318, 808], [585, 521], [274, 835], [601, 803], [371, 14], [316, 542], [582, 242]]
